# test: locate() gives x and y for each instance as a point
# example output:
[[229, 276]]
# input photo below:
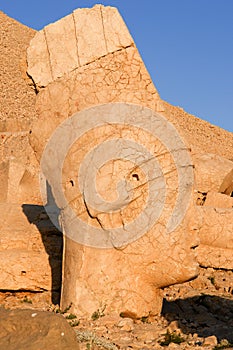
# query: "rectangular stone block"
[[218, 200], [62, 45], [90, 34], [216, 227]]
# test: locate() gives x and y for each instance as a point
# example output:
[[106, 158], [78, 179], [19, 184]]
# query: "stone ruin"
[[83, 65]]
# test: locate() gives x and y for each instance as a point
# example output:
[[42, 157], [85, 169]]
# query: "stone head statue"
[[122, 178], [119, 172]]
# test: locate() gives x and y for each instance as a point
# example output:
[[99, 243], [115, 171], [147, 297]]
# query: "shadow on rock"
[[53, 243], [205, 315]]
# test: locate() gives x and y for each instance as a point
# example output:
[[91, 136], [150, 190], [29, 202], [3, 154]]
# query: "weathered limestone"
[[216, 257], [214, 184], [25, 230], [75, 41], [120, 76], [215, 232], [213, 173], [28, 249], [40, 53], [30, 245], [201, 136], [218, 200], [19, 170]]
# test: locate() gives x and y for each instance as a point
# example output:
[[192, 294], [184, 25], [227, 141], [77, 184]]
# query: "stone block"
[[213, 173], [62, 46], [76, 40], [218, 200]]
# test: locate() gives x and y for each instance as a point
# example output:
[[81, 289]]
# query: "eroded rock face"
[[214, 179], [75, 41], [17, 95], [119, 76], [213, 173], [19, 170], [30, 249]]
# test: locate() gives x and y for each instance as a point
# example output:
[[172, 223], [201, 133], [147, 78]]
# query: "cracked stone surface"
[[127, 279], [216, 248], [213, 173], [120, 76], [76, 40], [18, 170], [214, 185]]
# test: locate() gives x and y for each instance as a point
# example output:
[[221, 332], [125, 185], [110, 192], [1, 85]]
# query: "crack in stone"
[[76, 37], [103, 56], [102, 19], [50, 64], [92, 216]]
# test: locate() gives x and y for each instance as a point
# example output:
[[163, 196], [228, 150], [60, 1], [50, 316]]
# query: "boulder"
[[213, 173], [35, 330], [215, 232]]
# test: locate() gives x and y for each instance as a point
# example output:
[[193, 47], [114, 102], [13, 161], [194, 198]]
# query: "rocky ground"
[[195, 315]]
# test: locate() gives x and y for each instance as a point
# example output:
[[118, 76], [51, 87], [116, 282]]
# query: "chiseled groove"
[[50, 64], [102, 18], [76, 37]]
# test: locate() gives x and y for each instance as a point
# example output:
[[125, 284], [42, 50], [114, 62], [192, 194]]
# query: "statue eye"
[[135, 177]]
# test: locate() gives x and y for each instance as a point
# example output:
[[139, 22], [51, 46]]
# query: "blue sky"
[[187, 46]]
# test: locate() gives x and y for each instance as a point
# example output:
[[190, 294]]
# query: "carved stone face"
[[127, 279], [161, 257], [117, 212], [124, 186]]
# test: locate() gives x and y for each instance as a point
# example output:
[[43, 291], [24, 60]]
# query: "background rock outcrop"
[[17, 95]]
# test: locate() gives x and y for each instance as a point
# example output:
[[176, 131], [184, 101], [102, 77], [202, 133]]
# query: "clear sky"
[[187, 46]]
